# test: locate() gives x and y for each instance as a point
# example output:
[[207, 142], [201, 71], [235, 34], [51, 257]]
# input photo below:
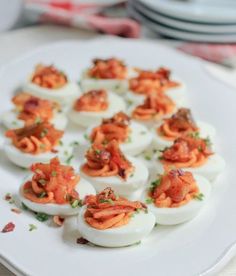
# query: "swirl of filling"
[[114, 128], [107, 160], [106, 210], [173, 189], [36, 138], [186, 152], [149, 82], [33, 109], [111, 68], [180, 124], [49, 77], [154, 107], [52, 183], [93, 101]]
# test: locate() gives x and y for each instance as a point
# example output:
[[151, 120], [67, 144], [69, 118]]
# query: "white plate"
[[183, 25], [181, 34], [204, 244], [210, 11]]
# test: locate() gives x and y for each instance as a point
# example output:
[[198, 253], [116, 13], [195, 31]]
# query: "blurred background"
[[204, 28]]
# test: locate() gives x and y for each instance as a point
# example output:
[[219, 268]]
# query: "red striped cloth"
[[81, 14]]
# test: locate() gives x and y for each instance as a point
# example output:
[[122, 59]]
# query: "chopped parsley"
[[42, 217], [86, 137], [155, 184], [129, 140], [106, 201], [97, 151], [32, 227], [53, 173], [60, 143], [199, 196], [38, 120], [74, 144], [43, 133], [68, 160], [208, 141], [148, 157], [195, 135], [42, 182], [76, 203], [41, 195], [149, 200], [24, 207]]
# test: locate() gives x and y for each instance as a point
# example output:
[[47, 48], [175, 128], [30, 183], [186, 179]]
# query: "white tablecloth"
[[18, 42]]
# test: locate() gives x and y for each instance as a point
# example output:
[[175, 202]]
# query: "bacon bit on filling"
[[154, 107], [106, 210], [174, 189], [180, 124], [115, 128], [49, 77], [107, 160], [108, 69], [36, 138], [148, 81], [52, 183], [186, 152], [94, 100], [32, 108]]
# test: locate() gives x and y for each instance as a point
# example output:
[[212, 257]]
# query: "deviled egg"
[[150, 82], [154, 108], [132, 137], [54, 189], [36, 143], [48, 82], [177, 196], [30, 109], [111, 74], [191, 154], [107, 166], [111, 221], [180, 124], [94, 106]]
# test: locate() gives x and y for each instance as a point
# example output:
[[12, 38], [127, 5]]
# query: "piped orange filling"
[[49, 77], [173, 189], [148, 82], [94, 100], [33, 109], [108, 69], [180, 124], [106, 210], [35, 139], [52, 183], [107, 160], [115, 128], [154, 107], [186, 152]]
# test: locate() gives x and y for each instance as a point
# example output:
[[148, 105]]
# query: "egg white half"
[[88, 118], [139, 139], [137, 229], [210, 170], [83, 188], [10, 120], [128, 188], [205, 130], [177, 95], [172, 216], [25, 160], [64, 95], [118, 86]]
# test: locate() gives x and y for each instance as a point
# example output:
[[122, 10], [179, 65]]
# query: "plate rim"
[[230, 250]]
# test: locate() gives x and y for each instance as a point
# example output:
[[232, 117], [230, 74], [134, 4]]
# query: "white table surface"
[[18, 42]]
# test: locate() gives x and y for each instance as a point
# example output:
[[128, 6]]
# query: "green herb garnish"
[[42, 217], [199, 196], [149, 200], [24, 207], [76, 203], [109, 200], [68, 160], [148, 157], [32, 227], [41, 195]]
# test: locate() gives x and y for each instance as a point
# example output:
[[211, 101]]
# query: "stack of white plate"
[[194, 20]]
